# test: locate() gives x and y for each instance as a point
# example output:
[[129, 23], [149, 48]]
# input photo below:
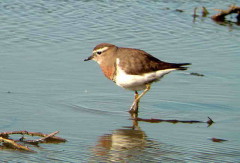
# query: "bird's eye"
[[99, 52]]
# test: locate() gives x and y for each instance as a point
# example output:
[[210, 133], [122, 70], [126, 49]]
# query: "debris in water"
[[220, 17], [204, 12], [196, 74], [218, 140], [19, 144], [209, 122]]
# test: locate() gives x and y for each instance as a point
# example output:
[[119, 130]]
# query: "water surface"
[[45, 85]]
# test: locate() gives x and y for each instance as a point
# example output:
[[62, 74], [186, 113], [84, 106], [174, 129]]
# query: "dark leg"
[[136, 97], [134, 107]]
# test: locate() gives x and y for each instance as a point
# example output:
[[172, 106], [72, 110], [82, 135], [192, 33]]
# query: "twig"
[[210, 121], [41, 139], [10, 143], [50, 138], [13, 145]]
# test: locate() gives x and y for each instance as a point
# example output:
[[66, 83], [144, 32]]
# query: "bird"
[[132, 69]]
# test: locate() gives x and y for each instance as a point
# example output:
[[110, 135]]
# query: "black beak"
[[89, 58]]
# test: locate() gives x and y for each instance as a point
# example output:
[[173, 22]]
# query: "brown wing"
[[134, 61]]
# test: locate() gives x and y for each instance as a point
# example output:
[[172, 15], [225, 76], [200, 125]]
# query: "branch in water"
[[49, 139], [209, 122], [7, 143]]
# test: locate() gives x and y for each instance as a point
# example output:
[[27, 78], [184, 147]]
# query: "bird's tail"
[[181, 66]]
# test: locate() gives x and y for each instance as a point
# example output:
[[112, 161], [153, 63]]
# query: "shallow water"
[[45, 85]]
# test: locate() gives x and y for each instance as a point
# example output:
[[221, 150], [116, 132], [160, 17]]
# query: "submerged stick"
[[209, 122]]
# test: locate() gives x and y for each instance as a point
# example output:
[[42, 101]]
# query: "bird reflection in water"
[[125, 144], [122, 144]]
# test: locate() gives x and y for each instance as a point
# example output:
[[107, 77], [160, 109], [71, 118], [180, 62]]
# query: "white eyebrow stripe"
[[101, 50]]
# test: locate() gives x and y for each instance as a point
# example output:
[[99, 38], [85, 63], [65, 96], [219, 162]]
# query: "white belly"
[[138, 82]]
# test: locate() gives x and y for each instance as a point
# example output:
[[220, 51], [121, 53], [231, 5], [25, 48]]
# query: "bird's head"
[[102, 52]]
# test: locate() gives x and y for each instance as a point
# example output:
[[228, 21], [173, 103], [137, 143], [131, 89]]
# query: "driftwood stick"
[[50, 138], [13, 145], [41, 139], [6, 143]]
